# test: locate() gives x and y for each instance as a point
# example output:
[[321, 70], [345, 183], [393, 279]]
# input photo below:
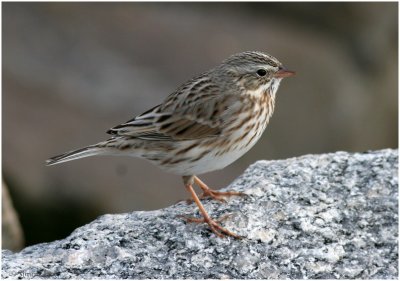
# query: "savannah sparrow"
[[205, 125]]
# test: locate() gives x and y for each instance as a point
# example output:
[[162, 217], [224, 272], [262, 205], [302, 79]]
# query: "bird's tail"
[[76, 154]]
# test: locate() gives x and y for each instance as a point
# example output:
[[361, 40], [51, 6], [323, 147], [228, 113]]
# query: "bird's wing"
[[196, 110]]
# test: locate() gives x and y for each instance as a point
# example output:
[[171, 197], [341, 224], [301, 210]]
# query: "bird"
[[204, 125]]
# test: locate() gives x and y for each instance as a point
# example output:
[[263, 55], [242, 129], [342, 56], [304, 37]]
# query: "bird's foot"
[[218, 195], [213, 194], [215, 226]]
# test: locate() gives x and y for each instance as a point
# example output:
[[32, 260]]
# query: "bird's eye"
[[261, 72]]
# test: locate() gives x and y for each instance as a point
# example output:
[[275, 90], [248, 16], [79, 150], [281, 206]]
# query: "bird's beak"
[[283, 72]]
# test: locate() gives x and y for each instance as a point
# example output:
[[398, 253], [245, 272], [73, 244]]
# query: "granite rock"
[[316, 216]]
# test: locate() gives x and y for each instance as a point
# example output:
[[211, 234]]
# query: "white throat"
[[274, 85]]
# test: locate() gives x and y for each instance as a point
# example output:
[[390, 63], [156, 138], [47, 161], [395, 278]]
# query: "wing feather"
[[183, 115]]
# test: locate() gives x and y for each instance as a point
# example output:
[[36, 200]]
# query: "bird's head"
[[254, 70]]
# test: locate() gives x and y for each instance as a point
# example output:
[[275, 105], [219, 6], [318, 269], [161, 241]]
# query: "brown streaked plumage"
[[205, 125]]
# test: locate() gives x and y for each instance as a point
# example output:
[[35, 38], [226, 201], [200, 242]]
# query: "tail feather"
[[75, 154]]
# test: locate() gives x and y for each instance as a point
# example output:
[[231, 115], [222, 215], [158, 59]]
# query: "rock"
[[316, 216]]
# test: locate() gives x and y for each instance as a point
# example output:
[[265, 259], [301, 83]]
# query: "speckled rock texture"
[[316, 216]]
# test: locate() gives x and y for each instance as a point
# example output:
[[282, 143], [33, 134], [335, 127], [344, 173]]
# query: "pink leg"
[[216, 195], [214, 225]]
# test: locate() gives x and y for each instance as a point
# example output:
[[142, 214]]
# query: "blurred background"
[[73, 70]]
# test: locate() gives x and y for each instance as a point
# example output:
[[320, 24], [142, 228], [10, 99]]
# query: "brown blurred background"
[[73, 70]]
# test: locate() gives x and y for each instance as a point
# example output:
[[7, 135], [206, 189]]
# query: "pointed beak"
[[283, 72]]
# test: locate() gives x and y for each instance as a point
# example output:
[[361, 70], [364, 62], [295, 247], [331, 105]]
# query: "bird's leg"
[[214, 225], [216, 195]]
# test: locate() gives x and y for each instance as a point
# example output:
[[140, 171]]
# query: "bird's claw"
[[214, 225], [217, 195]]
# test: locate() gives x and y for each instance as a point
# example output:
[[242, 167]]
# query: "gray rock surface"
[[316, 216]]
